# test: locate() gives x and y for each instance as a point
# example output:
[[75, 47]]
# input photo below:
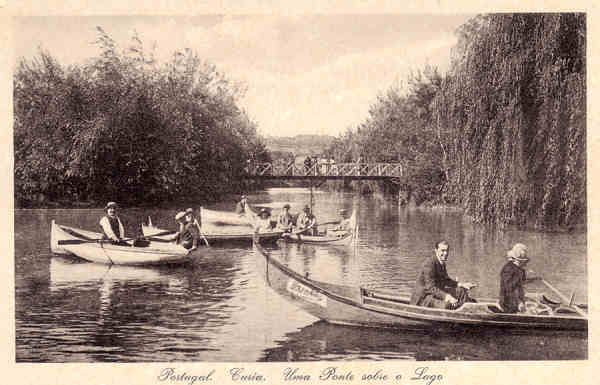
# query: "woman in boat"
[[263, 223], [112, 227], [512, 278], [285, 220]]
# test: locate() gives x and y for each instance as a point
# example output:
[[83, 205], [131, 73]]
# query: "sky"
[[304, 74]]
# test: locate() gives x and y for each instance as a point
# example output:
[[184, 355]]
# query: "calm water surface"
[[219, 309]]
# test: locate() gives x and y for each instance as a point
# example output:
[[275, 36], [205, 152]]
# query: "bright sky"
[[307, 74]]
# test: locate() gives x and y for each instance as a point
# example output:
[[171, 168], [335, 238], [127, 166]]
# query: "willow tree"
[[510, 118]]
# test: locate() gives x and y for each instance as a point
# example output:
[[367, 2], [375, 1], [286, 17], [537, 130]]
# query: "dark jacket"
[[512, 278], [188, 238], [431, 281]]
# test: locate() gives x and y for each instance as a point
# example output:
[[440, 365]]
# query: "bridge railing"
[[392, 170]]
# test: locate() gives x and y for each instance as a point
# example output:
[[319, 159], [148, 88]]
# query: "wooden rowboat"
[[332, 237], [214, 235], [341, 304], [88, 245]]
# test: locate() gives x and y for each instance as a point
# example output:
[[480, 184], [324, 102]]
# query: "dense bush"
[[126, 128]]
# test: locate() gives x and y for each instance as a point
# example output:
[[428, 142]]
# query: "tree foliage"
[[124, 127], [503, 133]]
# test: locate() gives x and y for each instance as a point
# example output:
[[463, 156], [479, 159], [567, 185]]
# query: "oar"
[[101, 240], [561, 295], [200, 229], [203, 237]]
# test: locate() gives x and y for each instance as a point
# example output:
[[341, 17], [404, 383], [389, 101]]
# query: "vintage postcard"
[[281, 193]]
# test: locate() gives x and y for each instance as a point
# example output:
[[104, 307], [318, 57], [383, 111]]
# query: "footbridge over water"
[[393, 172]]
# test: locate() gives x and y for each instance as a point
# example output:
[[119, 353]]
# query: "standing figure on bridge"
[[307, 165]]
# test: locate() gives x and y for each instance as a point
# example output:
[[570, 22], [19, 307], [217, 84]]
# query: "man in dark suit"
[[434, 288]]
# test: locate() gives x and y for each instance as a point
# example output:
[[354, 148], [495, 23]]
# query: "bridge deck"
[[372, 171]]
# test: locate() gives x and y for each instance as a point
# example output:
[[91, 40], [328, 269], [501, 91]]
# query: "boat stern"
[[54, 237]]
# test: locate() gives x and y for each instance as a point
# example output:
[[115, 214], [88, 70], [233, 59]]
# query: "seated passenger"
[[434, 288], [285, 220], [512, 278]]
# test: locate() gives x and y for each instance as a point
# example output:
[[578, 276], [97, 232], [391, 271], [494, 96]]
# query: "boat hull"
[[66, 240], [241, 238], [348, 305], [343, 239]]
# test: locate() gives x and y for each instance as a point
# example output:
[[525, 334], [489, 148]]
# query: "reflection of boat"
[[324, 341], [88, 245], [331, 237], [65, 273], [342, 304]]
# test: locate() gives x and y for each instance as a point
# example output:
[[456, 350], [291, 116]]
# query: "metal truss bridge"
[[392, 172]]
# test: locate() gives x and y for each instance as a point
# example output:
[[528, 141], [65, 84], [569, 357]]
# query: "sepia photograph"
[[314, 187]]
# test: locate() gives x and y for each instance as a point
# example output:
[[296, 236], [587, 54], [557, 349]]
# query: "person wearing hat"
[[264, 222], [285, 220], [434, 288], [188, 234], [112, 227], [344, 222], [306, 219], [190, 217], [512, 278], [240, 207]]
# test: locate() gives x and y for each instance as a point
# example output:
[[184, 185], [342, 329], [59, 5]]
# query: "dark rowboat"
[[340, 304]]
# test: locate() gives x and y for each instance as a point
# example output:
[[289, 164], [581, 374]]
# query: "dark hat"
[[111, 204], [264, 211], [189, 211], [287, 206], [306, 208]]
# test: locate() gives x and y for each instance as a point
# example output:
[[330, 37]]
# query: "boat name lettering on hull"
[[306, 293]]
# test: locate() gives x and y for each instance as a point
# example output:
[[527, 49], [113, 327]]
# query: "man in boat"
[[112, 227], [240, 207], [344, 224], [285, 220], [512, 278], [306, 219], [191, 217], [188, 233], [434, 288]]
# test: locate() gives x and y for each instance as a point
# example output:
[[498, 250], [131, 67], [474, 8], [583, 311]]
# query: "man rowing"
[[306, 219], [285, 220], [188, 233], [434, 288], [112, 227]]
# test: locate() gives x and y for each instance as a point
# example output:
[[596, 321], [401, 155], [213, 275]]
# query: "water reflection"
[[324, 341], [219, 309]]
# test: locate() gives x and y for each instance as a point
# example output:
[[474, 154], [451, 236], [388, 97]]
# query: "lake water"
[[218, 308]]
